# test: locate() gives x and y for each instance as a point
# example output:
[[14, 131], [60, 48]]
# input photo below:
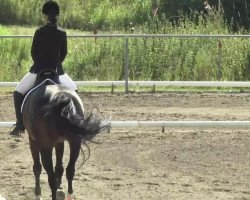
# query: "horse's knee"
[[37, 168], [46, 155], [70, 172], [59, 171]]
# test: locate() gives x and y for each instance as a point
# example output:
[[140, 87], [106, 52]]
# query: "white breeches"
[[29, 79]]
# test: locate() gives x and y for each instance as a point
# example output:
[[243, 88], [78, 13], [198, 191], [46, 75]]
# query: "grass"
[[84, 15], [149, 58]]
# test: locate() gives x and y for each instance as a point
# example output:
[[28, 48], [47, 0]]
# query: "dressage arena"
[[145, 163]]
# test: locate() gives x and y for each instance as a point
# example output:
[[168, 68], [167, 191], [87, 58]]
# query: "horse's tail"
[[86, 125], [90, 126]]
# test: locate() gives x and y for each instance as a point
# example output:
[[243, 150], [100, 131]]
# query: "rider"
[[48, 51]]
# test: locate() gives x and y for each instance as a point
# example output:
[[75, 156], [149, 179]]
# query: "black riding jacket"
[[49, 49]]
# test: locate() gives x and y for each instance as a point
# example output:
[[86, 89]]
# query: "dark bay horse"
[[53, 114]]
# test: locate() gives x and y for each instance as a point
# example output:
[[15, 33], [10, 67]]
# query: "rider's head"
[[51, 11]]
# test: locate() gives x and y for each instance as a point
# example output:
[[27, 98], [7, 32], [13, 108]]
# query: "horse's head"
[[47, 74]]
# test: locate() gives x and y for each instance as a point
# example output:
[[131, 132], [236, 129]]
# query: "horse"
[[53, 114]]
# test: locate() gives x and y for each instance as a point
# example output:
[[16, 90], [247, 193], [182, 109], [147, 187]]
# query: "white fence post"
[[126, 68]]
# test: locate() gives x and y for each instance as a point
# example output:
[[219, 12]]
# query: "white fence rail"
[[169, 124], [153, 83]]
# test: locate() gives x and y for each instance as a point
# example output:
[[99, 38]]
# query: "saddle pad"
[[35, 89]]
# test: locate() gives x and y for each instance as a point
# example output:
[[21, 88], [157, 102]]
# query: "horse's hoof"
[[69, 197], [38, 198], [60, 195]]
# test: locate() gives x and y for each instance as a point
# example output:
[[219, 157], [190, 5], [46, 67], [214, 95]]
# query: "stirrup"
[[17, 131]]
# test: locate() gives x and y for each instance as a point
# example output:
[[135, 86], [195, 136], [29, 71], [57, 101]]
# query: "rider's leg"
[[67, 82], [18, 95], [26, 83]]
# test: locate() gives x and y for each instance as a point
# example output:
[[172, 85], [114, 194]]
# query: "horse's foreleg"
[[37, 167], [46, 155], [70, 171], [59, 165]]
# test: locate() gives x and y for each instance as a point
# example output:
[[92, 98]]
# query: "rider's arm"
[[34, 47], [64, 49]]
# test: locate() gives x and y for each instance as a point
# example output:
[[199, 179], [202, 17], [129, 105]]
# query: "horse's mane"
[[86, 125]]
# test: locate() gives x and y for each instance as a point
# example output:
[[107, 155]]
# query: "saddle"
[[47, 77]]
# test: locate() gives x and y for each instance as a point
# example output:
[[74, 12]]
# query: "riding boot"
[[19, 127]]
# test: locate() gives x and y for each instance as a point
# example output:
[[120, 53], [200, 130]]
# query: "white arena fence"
[[162, 124], [168, 124], [126, 38], [126, 83], [152, 83]]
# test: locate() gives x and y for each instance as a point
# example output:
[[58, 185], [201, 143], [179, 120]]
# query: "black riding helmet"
[[51, 8]]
